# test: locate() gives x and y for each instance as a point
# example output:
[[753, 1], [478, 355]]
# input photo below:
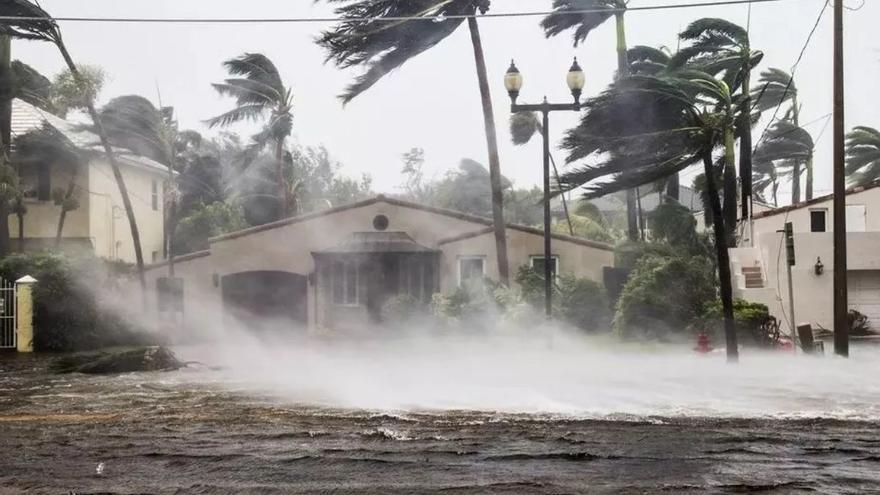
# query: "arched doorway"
[[263, 296]]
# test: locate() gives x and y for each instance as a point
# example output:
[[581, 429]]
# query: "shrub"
[[403, 309], [754, 325], [66, 312], [859, 324], [663, 296], [580, 302], [192, 232], [628, 253]]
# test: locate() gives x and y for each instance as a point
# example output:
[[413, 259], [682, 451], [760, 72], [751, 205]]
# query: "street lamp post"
[[513, 81]]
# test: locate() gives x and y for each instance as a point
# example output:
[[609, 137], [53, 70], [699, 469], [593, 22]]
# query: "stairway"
[[754, 277]]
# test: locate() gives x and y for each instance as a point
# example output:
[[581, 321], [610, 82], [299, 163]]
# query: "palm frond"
[[258, 69], [237, 114], [562, 19], [863, 155], [35, 23]]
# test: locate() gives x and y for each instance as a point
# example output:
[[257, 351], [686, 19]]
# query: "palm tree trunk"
[[5, 135], [729, 210], [809, 178], [494, 162], [20, 217], [745, 147], [724, 277], [63, 216], [117, 173], [632, 214], [283, 194], [796, 170]]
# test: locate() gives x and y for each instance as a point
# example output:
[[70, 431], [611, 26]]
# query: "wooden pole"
[[841, 323]]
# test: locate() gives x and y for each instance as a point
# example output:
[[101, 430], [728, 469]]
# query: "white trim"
[[481, 257]]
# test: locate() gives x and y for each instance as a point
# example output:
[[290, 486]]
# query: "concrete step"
[[751, 269]]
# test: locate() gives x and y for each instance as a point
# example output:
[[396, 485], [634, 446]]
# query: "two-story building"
[[760, 270], [99, 224]]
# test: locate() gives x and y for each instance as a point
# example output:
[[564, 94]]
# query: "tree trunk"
[[809, 178], [796, 170], [19, 214], [63, 216], [729, 210], [673, 187], [283, 193], [5, 136], [724, 278], [745, 147], [494, 162], [117, 173], [632, 214]]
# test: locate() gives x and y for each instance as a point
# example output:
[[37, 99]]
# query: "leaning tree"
[[364, 39], [645, 128], [26, 20]]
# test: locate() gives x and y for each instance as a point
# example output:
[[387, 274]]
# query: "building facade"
[[760, 270], [335, 269], [99, 224]]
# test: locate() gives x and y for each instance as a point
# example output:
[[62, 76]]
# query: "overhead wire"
[[433, 18]]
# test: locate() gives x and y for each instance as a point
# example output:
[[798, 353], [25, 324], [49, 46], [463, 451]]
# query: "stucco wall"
[[289, 248], [800, 217], [109, 225], [41, 219]]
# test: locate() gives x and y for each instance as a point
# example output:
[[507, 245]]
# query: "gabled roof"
[[26, 118], [814, 201], [482, 222]]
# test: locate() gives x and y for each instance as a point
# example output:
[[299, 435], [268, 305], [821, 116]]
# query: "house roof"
[[814, 201], [26, 118], [486, 223], [377, 242]]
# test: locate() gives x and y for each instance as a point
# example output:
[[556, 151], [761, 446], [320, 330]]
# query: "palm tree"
[[36, 24], [863, 155], [382, 46], [784, 148], [647, 60], [722, 48], [47, 145], [645, 128], [568, 15], [775, 87], [259, 90]]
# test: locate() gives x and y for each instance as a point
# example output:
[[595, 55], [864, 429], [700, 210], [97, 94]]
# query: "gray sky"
[[433, 101]]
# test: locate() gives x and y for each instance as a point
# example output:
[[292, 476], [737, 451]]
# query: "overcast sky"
[[433, 101]]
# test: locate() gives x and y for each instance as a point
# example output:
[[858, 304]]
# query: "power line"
[[432, 18]]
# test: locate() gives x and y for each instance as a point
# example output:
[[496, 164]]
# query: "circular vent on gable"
[[380, 222]]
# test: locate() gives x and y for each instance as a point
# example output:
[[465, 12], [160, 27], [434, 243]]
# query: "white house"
[[335, 269], [100, 223], [760, 270]]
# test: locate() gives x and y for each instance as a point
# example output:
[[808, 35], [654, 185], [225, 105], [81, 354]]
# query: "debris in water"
[[100, 469]]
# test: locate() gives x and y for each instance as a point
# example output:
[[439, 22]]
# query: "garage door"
[[864, 294]]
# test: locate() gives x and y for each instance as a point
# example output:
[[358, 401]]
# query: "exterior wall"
[[202, 299], [575, 259], [800, 217], [289, 247], [41, 219], [110, 230]]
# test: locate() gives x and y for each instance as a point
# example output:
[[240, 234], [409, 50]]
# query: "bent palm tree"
[[646, 128], [568, 15], [863, 155], [382, 46], [723, 49], [775, 87], [36, 24], [258, 92], [785, 147]]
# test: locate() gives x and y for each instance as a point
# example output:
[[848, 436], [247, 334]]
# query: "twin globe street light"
[[513, 82]]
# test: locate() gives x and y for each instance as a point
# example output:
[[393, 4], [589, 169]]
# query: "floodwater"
[[507, 421]]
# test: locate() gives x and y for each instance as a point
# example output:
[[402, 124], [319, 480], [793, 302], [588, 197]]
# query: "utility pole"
[[790, 262], [841, 323]]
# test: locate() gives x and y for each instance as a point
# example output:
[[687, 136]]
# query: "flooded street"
[[205, 431]]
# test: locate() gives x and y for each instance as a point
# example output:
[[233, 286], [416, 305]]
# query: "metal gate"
[[7, 314]]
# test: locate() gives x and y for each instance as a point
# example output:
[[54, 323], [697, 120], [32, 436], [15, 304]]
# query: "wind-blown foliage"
[[380, 47], [863, 155], [565, 17], [775, 87], [784, 148], [647, 61], [259, 93]]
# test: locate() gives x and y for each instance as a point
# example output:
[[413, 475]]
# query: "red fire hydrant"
[[703, 345]]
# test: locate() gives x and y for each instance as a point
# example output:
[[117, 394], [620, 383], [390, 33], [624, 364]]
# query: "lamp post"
[[513, 81]]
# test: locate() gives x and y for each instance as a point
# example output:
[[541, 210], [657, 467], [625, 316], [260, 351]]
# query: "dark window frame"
[[815, 219]]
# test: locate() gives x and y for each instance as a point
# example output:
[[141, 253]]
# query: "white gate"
[[7, 314]]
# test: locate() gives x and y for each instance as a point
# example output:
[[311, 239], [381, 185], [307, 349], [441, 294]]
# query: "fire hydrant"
[[703, 345]]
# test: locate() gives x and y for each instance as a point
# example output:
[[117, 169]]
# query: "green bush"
[[628, 253], [403, 309], [754, 325], [192, 232], [580, 302], [66, 312], [663, 296]]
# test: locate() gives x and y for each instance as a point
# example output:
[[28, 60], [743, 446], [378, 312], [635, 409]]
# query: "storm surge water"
[[544, 372]]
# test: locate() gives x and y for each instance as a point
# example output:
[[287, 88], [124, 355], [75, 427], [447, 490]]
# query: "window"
[[855, 218], [36, 182], [817, 220], [155, 195], [538, 265], [470, 269], [344, 283]]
